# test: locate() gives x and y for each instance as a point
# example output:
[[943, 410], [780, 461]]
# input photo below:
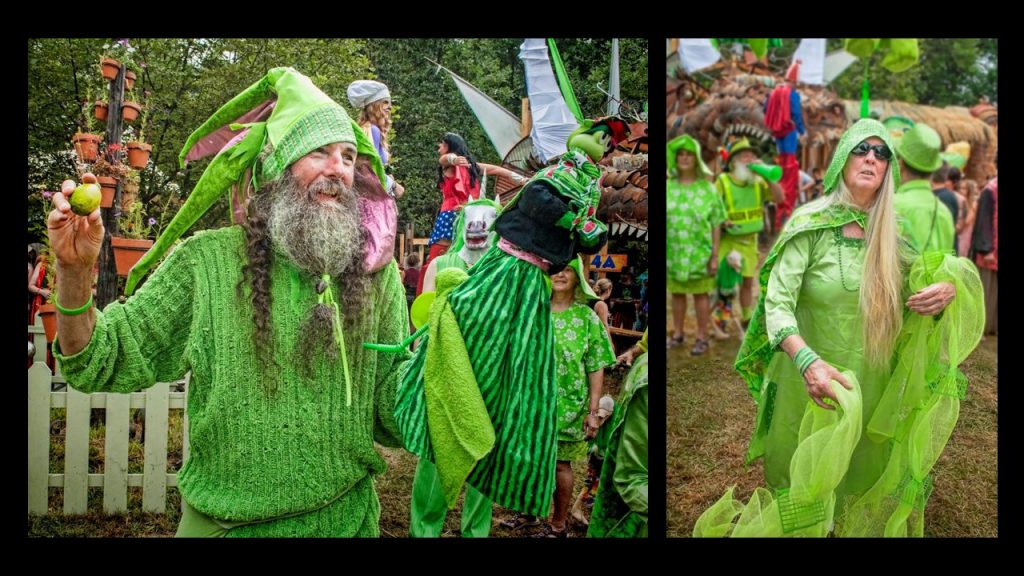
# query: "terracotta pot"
[[130, 111], [129, 79], [138, 154], [128, 251], [108, 185], [99, 110], [110, 68], [48, 312], [87, 146]]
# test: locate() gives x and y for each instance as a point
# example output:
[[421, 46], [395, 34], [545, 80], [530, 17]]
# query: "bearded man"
[[268, 315], [744, 194]]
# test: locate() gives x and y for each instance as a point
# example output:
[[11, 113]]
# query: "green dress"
[[694, 211], [581, 347], [814, 291]]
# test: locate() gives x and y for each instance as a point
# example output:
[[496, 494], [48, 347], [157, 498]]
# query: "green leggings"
[[428, 508]]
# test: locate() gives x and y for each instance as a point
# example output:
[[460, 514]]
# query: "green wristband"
[[76, 311]]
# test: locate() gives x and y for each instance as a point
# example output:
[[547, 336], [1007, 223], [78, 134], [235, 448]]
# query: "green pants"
[[428, 508]]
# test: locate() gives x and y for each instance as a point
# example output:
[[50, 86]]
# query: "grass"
[[394, 488], [711, 416]]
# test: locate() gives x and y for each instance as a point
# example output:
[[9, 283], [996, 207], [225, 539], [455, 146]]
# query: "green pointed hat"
[[685, 142], [859, 132], [577, 266], [283, 109]]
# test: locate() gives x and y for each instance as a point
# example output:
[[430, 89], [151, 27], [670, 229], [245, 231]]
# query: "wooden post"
[[106, 287], [527, 125]]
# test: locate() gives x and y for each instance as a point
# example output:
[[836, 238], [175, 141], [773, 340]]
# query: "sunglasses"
[[881, 150]]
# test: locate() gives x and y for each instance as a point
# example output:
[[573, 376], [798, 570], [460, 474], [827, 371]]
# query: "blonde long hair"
[[881, 298], [374, 114]]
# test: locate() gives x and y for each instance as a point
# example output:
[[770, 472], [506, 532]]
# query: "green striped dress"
[[504, 310]]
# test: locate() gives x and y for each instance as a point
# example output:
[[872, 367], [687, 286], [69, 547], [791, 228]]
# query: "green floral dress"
[[581, 347]]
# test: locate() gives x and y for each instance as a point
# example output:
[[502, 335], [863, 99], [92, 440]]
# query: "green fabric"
[[860, 131], [862, 47], [450, 260], [825, 444], [578, 179], [685, 142], [583, 289], [254, 454], [571, 450], [359, 514], [924, 221], [693, 212], [704, 285], [620, 509], [461, 432], [581, 347], [748, 249], [504, 312], [902, 54], [224, 170], [921, 148], [921, 403], [643, 342], [749, 197], [428, 507], [563, 81]]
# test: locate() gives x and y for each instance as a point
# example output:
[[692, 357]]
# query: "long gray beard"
[[742, 173], [318, 237]]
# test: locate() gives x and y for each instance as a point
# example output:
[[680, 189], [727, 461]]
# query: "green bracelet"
[[804, 358], [75, 312]]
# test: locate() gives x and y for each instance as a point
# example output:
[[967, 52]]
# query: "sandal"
[[549, 532], [675, 341], [700, 347], [520, 520]]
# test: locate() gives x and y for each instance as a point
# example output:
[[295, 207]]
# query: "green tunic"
[[922, 219], [694, 211], [257, 455]]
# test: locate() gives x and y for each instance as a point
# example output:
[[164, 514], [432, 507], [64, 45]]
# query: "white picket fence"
[[115, 479]]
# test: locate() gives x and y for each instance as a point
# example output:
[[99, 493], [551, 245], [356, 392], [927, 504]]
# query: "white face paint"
[[479, 219]]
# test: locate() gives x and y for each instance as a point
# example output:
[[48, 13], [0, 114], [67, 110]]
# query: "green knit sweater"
[[254, 455]]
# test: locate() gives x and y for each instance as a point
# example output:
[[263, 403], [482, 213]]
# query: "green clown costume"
[[274, 451], [863, 468], [490, 364]]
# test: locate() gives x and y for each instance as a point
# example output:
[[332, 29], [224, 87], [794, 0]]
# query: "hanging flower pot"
[[87, 146], [110, 68], [138, 154], [129, 79], [108, 185], [130, 111], [100, 110], [128, 251], [48, 312]]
